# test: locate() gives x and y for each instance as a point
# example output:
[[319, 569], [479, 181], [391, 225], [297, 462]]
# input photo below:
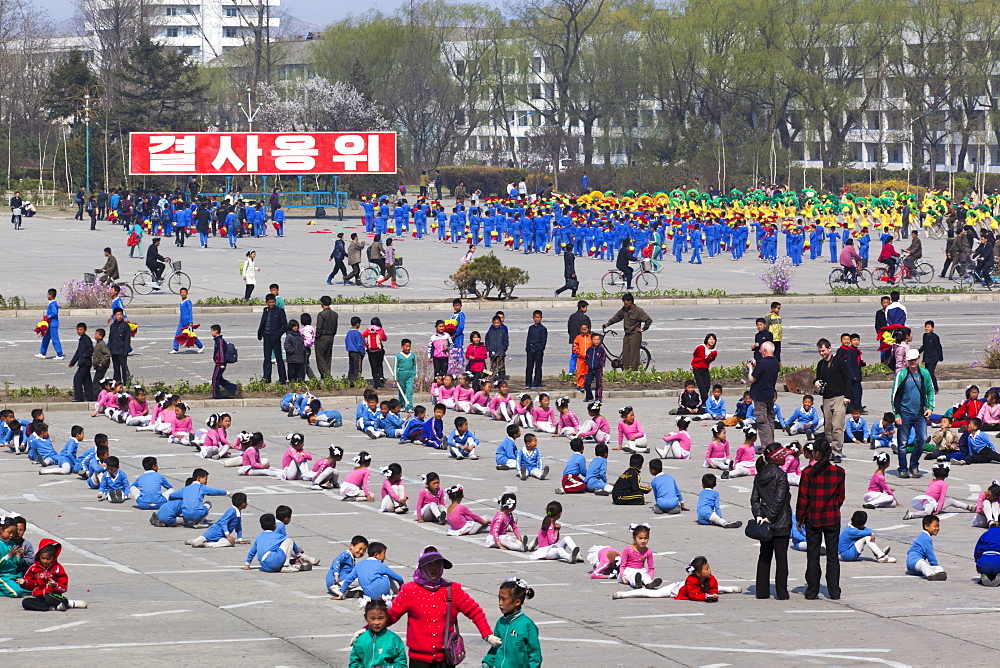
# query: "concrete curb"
[[539, 303]]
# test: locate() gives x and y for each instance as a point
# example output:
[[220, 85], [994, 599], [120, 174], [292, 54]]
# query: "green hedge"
[[366, 184]]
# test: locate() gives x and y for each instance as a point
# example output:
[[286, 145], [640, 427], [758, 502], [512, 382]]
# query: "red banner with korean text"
[[229, 153]]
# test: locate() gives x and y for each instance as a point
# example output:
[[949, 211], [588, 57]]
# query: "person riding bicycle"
[[850, 260], [984, 256], [110, 268], [888, 257], [624, 257], [913, 253], [155, 262]]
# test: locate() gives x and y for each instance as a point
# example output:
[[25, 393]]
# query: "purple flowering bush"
[[77, 294], [777, 276], [991, 351]]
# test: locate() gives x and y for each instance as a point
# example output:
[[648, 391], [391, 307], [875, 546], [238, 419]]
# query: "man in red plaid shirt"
[[821, 494]]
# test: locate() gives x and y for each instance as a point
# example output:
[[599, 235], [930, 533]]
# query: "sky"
[[314, 11]]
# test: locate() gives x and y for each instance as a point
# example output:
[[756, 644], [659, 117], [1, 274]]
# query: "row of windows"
[[895, 153], [228, 12], [178, 32]]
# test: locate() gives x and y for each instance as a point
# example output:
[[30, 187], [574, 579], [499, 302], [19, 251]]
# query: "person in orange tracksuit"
[[580, 345]]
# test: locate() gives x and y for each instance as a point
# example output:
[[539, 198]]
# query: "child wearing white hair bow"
[[461, 520], [355, 485], [879, 494], [324, 471], [636, 562], [430, 501], [700, 585], [241, 443], [504, 522], [393, 495], [549, 544], [936, 497], [677, 444], [295, 462], [214, 443]]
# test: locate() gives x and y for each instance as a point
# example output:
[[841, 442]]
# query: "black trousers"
[[79, 211], [931, 366], [273, 346], [533, 370], [703, 379], [222, 388], [83, 386], [355, 274], [120, 363], [815, 536], [99, 374], [375, 360], [627, 272], [776, 549], [42, 603], [338, 267], [324, 353], [984, 456], [856, 393], [179, 234], [354, 360], [93, 221], [417, 663], [248, 291], [440, 366], [777, 354]]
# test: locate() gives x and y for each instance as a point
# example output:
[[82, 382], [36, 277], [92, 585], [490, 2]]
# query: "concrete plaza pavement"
[[154, 600], [51, 250]]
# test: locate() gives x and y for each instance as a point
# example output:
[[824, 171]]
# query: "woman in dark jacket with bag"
[[770, 503]]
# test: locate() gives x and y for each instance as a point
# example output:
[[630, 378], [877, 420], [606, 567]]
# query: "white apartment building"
[[203, 29]]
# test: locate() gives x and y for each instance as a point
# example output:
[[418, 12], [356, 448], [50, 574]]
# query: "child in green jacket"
[[520, 647], [406, 374], [377, 645]]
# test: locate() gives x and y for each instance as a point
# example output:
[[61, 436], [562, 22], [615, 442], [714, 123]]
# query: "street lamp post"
[[86, 120], [249, 111]]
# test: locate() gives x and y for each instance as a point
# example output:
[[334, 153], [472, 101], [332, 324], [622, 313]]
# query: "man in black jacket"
[[221, 388], [326, 330], [534, 346], [83, 360], [624, 257], [569, 273], [833, 380], [118, 345], [932, 351], [339, 254], [155, 262], [273, 324]]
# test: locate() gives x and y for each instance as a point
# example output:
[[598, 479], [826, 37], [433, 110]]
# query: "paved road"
[[153, 600], [48, 252], [677, 330]]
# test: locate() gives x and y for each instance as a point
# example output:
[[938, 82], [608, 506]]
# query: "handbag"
[[454, 645], [760, 531]]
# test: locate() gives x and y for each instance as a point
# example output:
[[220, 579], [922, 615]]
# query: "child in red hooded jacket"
[[48, 581]]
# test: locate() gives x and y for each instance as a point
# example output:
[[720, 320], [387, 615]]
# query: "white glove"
[[357, 635], [493, 640]]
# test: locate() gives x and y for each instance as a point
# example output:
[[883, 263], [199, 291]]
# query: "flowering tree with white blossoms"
[[317, 105]]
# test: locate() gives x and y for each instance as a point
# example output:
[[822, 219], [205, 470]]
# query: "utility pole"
[[86, 120]]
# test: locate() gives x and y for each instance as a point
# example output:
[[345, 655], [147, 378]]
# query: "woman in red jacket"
[[425, 600], [373, 338], [703, 357]]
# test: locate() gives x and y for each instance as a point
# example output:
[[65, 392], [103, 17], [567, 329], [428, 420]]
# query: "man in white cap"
[[912, 402]]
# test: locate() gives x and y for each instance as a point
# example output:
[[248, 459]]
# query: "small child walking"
[[516, 635]]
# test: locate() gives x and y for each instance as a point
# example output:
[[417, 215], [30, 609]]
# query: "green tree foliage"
[[67, 82], [484, 275]]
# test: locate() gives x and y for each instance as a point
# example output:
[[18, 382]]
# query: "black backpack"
[[230, 354]]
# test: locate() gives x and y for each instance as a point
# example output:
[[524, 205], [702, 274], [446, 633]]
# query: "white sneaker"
[[662, 452], [617, 596], [174, 352], [40, 356], [473, 456], [316, 487], [59, 357], [309, 560], [292, 568], [884, 559], [906, 515], [282, 475], [78, 604], [200, 351]]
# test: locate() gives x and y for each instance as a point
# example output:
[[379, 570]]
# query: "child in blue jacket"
[[147, 487], [529, 460], [597, 472], [805, 419], [195, 507], [433, 436], [272, 549], [373, 575], [226, 531], [709, 506], [856, 536], [461, 441], [114, 482], [920, 558], [343, 566], [506, 454]]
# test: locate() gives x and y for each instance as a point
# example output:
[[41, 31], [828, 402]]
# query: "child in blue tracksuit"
[[343, 566], [855, 536], [52, 333], [147, 487], [696, 243], [575, 472], [597, 472], [529, 460], [232, 228], [506, 454], [883, 433], [856, 429], [461, 441], [715, 405], [40, 446], [920, 558], [114, 482], [433, 436], [666, 494], [805, 419], [373, 575], [195, 508], [93, 466], [227, 530], [272, 549], [797, 539], [186, 319], [413, 430], [709, 507], [367, 412], [391, 423], [289, 399], [279, 221], [65, 461], [832, 238]]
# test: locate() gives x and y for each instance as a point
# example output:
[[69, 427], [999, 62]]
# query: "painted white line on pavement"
[[242, 605], [321, 514], [976, 609], [105, 510], [673, 614], [552, 621], [31, 497], [818, 612], [57, 482], [130, 645], [552, 584], [61, 626], [162, 612], [894, 526], [878, 577], [838, 654], [590, 640], [221, 569]]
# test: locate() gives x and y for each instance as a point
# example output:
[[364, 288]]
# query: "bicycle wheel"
[[125, 292], [880, 277], [864, 279], [836, 278], [402, 277], [612, 283], [909, 279], [369, 277], [936, 231], [644, 358], [177, 281], [646, 281], [143, 283], [925, 272]]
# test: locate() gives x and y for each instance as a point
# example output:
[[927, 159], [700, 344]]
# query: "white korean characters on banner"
[[229, 153]]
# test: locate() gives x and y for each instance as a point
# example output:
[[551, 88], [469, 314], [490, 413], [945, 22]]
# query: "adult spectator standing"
[[701, 360], [770, 501], [81, 196], [110, 268], [437, 183], [102, 203], [155, 263], [83, 360], [885, 353], [763, 377], [423, 183], [193, 189], [274, 202], [118, 345], [221, 388], [273, 324], [852, 358], [16, 210], [248, 271], [573, 325], [821, 494], [635, 321], [461, 193], [376, 253], [534, 346], [91, 209], [833, 381], [569, 273], [354, 259], [326, 330], [963, 245], [339, 254], [912, 403], [426, 601]]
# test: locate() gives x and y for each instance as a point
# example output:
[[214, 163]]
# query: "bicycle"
[[924, 274], [644, 280], [967, 276], [838, 278], [645, 357], [370, 275], [125, 290], [144, 284]]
